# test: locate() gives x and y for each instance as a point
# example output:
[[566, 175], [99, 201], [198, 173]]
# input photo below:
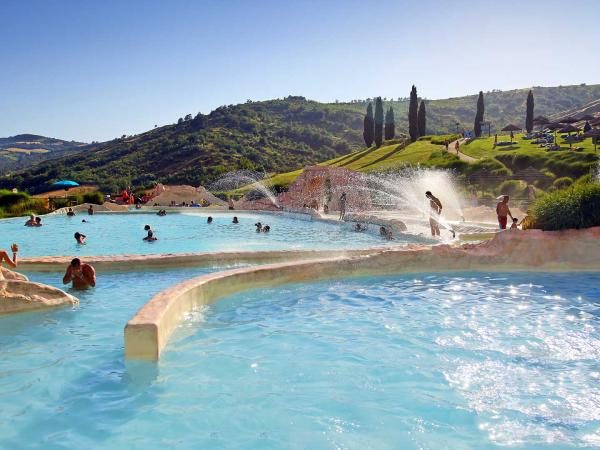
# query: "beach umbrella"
[[569, 129], [595, 122], [510, 127], [553, 126], [65, 184], [540, 120], [587, 117], [595, 135]]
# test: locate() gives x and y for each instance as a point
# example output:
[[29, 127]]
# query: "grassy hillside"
[[275, 136], [24, 150]]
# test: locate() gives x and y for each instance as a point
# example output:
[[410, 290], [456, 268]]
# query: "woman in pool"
[[5, 258], [235, 219], [150, 236], [209, 220], [80, 238]]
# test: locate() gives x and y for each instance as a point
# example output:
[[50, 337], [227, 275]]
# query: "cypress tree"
[[413, 125], [378, 122], [390, 127], [529, 114], [368, 126], [479, 115], [421, 119]]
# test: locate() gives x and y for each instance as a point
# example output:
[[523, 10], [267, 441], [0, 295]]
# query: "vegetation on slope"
[[24, 150], [275, 136]]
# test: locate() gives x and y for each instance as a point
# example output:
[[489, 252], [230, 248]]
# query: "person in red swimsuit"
[[503, 211]]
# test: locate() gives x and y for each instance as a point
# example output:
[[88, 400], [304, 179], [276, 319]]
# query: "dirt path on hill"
[[460, 154]]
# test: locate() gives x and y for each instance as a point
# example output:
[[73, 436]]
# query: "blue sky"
[[94, 70]]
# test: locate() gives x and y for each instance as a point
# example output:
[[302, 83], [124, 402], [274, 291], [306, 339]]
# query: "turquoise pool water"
[[111, 234], [420, 361]]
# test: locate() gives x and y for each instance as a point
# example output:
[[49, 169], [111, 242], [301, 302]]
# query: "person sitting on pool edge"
[[31, 221], [83, 276], [209, 220], [70, 212], [235, 220], [80, 238], [5, 258], [150, 236]]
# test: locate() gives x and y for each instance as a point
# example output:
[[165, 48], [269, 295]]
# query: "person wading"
[[503, 211], [435, 209]]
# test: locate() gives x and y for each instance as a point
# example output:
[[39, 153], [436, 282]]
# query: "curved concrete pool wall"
[[147, 333], [166, 260]]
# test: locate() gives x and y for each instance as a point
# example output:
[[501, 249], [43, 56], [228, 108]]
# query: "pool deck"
[[148, 332]]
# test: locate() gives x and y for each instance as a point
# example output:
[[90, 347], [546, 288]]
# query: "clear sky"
[[94, 70]]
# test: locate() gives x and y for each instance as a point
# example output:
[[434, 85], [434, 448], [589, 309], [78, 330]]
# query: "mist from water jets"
[[244, 178]]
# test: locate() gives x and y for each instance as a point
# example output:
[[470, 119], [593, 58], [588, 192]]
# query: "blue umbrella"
[[65, 184]]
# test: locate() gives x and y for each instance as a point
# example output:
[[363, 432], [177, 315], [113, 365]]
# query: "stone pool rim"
[[148, 332]]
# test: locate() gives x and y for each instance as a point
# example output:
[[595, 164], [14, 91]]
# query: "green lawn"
[[371, 159], [484, 147]]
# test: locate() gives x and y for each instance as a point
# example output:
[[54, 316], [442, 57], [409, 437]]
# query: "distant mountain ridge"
[[273, 136], [24, 150]]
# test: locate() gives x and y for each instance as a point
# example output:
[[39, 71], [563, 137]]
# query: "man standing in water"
[[435, 207], [503, 211], [342, 205], [82, 275]]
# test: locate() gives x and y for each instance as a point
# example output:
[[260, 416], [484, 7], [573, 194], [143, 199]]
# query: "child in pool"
[[515, 224], [150, 236], [80, 238]]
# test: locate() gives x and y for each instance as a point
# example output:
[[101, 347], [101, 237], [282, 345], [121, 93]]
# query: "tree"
[[368, 126], [422, 119], [529, 114], [479, 115], [413, 124], [378, 122], [390, 127]]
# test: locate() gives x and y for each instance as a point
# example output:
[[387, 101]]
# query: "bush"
[[8, 198], [574, 207], [443, 138], [94, 197], [562, 182], [513, 188]]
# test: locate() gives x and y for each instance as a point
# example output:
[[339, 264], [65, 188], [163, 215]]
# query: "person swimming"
[[235, 220], [38, 222], [80, 238], [150, 236], [31, 221], [82, 275], [70, 212], [161, 212], [258, 226], [266, 229], [209, 220]]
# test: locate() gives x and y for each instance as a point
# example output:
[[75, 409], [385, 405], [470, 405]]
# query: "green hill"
[[274, 136], [24, 150]]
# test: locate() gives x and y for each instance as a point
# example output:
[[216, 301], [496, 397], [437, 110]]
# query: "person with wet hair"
[[82, 276]]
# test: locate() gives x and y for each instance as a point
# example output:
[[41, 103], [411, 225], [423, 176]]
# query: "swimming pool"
[[113, 234], [420, 361]]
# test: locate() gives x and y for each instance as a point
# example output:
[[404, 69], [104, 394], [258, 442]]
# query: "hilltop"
[[24, 150], [273, 136]]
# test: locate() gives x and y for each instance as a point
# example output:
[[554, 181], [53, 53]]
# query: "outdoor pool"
[[114, 234], [417, 361]]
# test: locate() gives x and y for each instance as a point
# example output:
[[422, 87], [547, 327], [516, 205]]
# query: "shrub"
[[562, 182], [443, 138], [8, 198], [574, 207], [94, 197], [512, 188]]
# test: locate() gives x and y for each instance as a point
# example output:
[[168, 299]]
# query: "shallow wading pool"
[[115, 234], [420, 361]]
